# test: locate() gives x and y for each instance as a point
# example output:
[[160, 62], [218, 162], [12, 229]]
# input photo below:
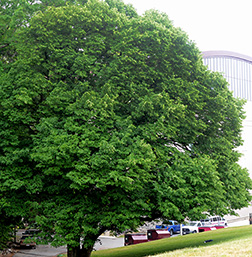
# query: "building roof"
[[218, 53]]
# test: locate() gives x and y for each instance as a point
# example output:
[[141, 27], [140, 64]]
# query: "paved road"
[[45, 250], [109, 242], [40, 251]]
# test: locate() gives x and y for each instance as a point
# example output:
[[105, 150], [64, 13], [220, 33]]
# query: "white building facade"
[[237, 69]]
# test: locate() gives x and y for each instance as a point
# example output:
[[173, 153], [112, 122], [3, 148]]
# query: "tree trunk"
[[73, 251], [77, 252], [85, 251]]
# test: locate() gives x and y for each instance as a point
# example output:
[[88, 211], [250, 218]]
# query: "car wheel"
[[171, 232]]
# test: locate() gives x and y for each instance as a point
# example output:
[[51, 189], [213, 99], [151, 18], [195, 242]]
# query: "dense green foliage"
[[109, 119], [5, 230], [8, 225]]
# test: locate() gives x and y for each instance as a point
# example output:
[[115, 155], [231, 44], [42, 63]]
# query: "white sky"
[[212, 25]]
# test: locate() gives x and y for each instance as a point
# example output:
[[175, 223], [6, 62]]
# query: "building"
[[237, 69]]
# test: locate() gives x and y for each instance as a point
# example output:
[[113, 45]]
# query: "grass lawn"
[[236, 248], [236, 241]]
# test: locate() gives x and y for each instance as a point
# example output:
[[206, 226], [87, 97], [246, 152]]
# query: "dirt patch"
[[7, 255], [8, 252]]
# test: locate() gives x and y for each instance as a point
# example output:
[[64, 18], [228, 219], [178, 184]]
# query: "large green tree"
[[109, 119]]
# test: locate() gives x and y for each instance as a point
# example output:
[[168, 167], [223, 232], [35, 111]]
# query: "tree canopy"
[[109, 119]]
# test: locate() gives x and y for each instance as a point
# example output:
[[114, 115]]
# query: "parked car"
[[214, 221], [191, 227], [27, 241], [31, 231], [172, 225]]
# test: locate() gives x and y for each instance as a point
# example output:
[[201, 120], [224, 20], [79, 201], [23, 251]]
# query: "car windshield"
[[192, 224], [25, 237], [167, 222], [31, 231]]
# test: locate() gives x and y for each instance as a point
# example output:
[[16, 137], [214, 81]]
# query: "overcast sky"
[[212, 25]]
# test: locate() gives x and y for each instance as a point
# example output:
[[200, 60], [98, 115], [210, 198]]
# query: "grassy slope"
[[180, 242], [237, 248]]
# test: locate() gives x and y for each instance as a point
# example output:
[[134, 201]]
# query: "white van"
[[214, 221]]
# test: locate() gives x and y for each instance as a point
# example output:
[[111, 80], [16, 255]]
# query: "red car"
[[27, 241]]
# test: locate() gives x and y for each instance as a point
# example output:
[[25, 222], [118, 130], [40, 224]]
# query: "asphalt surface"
[[46, 250], [40, 251], [107, 242]]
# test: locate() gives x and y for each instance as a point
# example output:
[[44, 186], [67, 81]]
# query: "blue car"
[[172, 225]]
